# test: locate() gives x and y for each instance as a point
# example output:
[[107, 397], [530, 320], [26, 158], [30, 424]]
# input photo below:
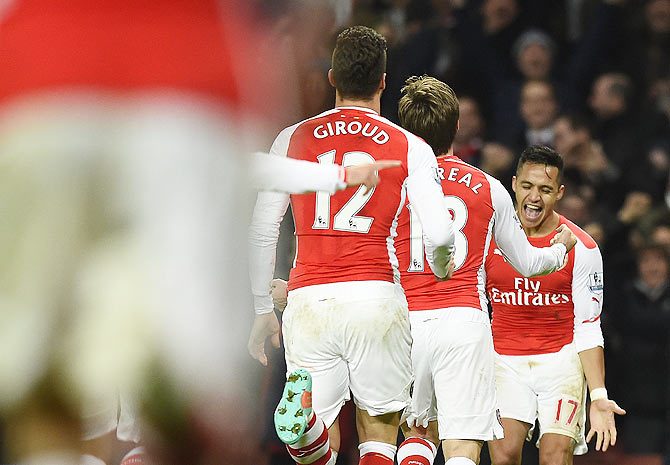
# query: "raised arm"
[[513, 243]]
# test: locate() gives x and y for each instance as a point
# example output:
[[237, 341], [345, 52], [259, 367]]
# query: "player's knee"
[[556, 455], [504, 454]]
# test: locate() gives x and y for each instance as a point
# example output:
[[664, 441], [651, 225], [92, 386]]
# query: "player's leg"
[[378, 340], [561, 392], [518, 407], [556, 449], [507, 451], [464, 379], [420, 444], [377, 436], [462, 451], [306, 416]]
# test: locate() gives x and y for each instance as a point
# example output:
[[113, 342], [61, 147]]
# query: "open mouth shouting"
[[532, 213]]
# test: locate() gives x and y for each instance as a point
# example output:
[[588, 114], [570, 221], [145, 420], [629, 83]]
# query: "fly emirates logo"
[[527, 292]]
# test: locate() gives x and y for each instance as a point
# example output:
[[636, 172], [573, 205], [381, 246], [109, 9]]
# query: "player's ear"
[[561, 190], [330, 77], [382, 83], [514, 184]]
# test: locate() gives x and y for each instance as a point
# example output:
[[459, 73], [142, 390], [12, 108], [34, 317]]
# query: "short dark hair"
[[541, 155], [359, 62], [429, 108]]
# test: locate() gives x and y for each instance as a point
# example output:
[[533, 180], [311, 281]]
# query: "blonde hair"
[[429, 108]]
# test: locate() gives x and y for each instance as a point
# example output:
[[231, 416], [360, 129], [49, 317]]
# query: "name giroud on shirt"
[[527, 293], [378, 136]]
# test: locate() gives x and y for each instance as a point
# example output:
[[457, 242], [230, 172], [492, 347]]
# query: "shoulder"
[[583, 237]]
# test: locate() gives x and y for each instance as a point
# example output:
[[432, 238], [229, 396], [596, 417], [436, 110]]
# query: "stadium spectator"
[[611, 102], [640, 313], [539, 108], [469, 138]]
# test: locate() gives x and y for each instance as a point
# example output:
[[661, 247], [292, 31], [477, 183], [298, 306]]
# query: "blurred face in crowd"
[[469, 121], [602, 100], [657, 13], [538, 104], [574, 208], [661, 235], [498, 14], [537, 190], [653, 267], [566, 138], [534, 61]]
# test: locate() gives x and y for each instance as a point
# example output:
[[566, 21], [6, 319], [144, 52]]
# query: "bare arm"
[[601, 413]]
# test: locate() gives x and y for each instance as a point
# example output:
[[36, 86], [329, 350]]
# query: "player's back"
[[467, 193], [347, 236]]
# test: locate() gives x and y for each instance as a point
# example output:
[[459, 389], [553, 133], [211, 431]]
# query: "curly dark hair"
[[359, 62], [541, 155]]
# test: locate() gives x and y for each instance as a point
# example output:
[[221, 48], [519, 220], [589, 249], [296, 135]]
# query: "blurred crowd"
[[590, 78]]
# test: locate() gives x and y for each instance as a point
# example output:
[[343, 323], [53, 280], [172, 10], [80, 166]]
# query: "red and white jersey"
[[541, 315], [204, 47], [482, 210], [349, 236]]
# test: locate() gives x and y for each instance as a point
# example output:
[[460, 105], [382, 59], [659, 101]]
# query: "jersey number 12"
[[345, 219]]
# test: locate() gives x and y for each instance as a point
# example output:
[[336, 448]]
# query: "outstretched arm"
[[601, 413], [276, 173]]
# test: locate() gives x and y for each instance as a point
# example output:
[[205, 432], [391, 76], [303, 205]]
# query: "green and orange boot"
[[295, 407]]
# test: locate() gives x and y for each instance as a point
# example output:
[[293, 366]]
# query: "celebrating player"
[[454, 396], [546, 331], [346, 323]]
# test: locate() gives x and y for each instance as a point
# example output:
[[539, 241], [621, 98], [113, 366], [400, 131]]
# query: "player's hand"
[[601, 417], [279, 293], [265, 326], [450, 270], [564, 236], [368, 174]]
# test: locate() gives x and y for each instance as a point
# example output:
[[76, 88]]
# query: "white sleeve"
[[424, 192], [587, 297], [513, 243], [275, 173], [264, 234]]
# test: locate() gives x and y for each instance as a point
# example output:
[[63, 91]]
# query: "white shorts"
[[118, 413], [452, 359], [547, 387], [351, 335]]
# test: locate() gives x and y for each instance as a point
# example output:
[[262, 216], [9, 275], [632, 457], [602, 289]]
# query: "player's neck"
[[372, 104], [545, 228]]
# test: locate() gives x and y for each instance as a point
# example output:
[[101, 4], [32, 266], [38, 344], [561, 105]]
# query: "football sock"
[[416, 451], [136, 456], [376, 453], [459, 461], [313, 447]]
